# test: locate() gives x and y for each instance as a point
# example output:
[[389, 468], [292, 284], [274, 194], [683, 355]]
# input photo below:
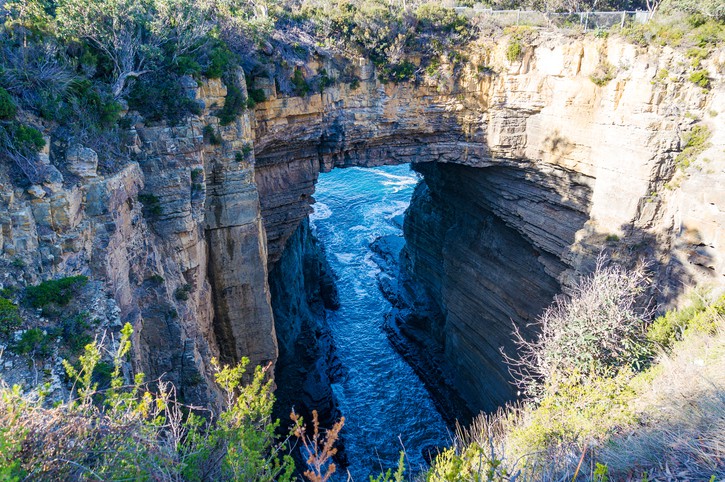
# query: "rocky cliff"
[[176, 239], [530, 168]]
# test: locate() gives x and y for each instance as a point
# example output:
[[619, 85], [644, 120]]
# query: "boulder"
[[82, 161]]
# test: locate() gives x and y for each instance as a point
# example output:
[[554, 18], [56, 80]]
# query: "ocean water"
[[385, 405]]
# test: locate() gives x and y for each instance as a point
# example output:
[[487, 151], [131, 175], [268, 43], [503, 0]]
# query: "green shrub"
[[672, 327], [514, 49], [9, 318], [603, 74], [234, 103], [74, 332], [701, 78], [221, 61], [26, 138], [155, 279], [31, 340], [8, 110], [299, 84], [211, 135], [197, 174], [578, 411], [325, 80], [434, 18], [695, 143], [257, 95], [58, 292], [244, 153], [151, 205], [400, 72], [187, 65], [182, 292], [160, 96], [114, 428]]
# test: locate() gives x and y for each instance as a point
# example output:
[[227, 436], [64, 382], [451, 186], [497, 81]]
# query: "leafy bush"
[[433, 17], [128, 429], [197, 175], [151, 205], [695, 143], [8, 109], [701, 78], [161, 96], [300, 85], [25, 138], [186, 65], [325, 80], [234, 102], [30, 340], [221, 61], [256, 96], [210, 134], [58, 292], [182, 292], [155, 279], [672, 327], [603, 74], [514, 50], [74, 332], [9, 318], [399, 72]]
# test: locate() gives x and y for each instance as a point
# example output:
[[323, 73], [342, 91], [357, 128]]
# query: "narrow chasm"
[[335, 355], [394, 301]]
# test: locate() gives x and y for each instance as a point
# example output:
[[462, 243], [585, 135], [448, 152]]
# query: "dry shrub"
[[321, 449], [594, 331]]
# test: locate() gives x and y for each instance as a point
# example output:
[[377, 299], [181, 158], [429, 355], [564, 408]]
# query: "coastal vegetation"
[[612, 396], [609, 391]]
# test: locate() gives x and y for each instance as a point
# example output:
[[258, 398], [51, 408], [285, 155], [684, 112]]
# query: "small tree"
[[120, 29], [131, 33]]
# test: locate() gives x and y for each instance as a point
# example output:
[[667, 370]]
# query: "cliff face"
[[529, 169], [177, 239], [302, 288]]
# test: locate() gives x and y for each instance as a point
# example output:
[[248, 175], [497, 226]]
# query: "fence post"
[[624, 16], [586, 22], [518, 16]]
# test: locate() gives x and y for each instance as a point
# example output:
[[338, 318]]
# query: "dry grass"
[[682, 435], [665, 422]]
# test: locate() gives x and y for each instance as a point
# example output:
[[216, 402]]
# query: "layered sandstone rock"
[[177, 237], [530, 169]]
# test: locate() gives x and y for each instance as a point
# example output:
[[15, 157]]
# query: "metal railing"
[[584, 20]]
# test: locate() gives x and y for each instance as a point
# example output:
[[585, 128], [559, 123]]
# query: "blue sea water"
[[386, 406]]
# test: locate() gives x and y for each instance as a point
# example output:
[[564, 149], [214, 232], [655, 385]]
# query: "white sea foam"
[[320, 211], [396, 182], [344, 258]]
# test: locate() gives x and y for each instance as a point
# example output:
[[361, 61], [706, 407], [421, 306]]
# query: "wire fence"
[[584, 20]]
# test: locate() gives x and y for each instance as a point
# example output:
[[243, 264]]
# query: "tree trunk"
[[120, 83]]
